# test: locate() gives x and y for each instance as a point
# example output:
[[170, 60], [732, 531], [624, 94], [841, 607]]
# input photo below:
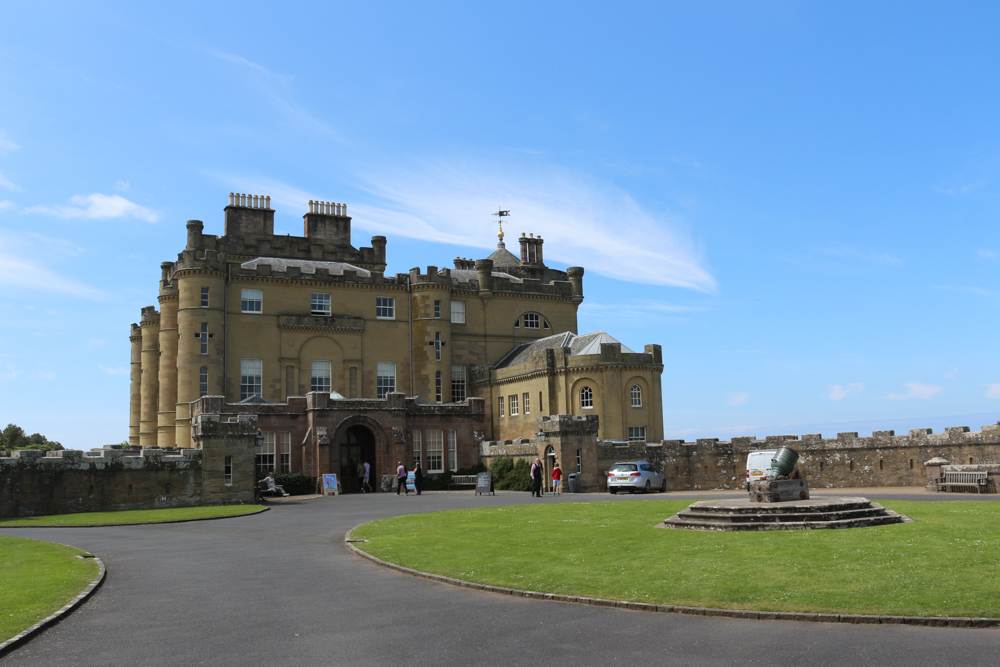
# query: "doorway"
[[357, 445], [550, 464]]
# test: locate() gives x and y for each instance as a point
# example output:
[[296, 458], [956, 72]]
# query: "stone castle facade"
[[344, 363]]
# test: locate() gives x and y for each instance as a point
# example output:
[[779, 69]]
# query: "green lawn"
[[946, 563], [131, 516], [36, 579]]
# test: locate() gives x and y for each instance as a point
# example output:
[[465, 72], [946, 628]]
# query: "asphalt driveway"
[[280, 588]]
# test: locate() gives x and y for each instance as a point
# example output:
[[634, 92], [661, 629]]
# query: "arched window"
[[586, 398], [636, 396], [531, 321]]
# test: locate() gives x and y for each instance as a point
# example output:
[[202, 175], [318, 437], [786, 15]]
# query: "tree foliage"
[[13, 437]]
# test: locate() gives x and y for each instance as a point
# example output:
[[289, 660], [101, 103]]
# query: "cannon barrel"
[[783, 462]]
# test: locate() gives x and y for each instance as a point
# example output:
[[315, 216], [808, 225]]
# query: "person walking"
[[418, 478], [401, 479], [368, 472], [536, 478], [556, 478]]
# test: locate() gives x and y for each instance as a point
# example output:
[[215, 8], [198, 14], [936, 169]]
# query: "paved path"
[[281, 589]]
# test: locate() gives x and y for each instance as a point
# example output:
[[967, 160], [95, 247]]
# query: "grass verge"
[[36, 579], [946, 563], [131, 516]]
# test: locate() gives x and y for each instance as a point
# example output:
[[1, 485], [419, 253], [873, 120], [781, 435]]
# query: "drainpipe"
[[409, 317], [225, 333]]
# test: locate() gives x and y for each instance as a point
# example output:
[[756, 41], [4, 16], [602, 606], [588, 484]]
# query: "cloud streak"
[[21, 271], [98, 207], [6, 183], [839, 393], [583, 222], [915, 390]]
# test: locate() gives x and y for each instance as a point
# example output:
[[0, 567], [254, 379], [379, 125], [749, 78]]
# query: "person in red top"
[[556, 478]]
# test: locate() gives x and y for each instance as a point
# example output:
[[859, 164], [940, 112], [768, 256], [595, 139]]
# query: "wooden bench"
[[974, 478], [463, 480]]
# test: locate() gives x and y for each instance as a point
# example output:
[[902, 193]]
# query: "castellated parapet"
[[882, 459], [64, 481]]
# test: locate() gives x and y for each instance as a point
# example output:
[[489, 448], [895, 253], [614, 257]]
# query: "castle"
[[341, 363]]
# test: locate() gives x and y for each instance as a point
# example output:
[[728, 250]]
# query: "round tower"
[[150, 361], [135, 386], [201, 339], [432, 336], [168, 359]]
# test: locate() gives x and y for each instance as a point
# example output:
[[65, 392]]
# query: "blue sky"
[[798, 201]]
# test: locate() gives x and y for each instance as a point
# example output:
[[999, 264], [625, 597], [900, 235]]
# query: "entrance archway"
[[357, 445], [550, 464]]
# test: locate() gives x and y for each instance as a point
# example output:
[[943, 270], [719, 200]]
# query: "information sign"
[[411, 482], [484, 484], [330, 485]]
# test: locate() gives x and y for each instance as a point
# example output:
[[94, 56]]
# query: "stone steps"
[[743, 515]]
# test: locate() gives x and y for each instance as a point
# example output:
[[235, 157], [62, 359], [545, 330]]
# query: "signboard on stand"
[[484, 484], [330, 485], [411, 482]]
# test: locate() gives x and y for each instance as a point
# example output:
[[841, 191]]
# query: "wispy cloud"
[[993, 391], [737, 398], [98, 207], [22, 268], [584, 222], [877, 257], [6, 183], [6, 205], [839, 393], [641, 310], [6, 145], [987, 254], [915, 390], [279, 92], [120, 370], [961, 188]]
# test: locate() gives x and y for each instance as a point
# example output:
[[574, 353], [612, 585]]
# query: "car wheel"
[[646, 488], [663, 487]]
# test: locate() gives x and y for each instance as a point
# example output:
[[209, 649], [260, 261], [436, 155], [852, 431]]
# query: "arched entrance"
[[357, 445], [550, 463]]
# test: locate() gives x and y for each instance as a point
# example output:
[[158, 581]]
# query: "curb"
[[877, 619], [24, 636], [144, 523]]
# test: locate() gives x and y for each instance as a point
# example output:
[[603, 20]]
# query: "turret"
[[194, 228]]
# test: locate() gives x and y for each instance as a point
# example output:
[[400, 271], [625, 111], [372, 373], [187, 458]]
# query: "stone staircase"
[[734, 515]]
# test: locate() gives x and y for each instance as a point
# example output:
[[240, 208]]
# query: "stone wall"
[[33, 483], [883, 459]]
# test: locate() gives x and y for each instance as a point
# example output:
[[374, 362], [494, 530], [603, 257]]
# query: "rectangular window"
[[531, 321], [385, 379], [435, 451], [203, 381], [320, 304], [458, 391], [637, 433], [527, 405], [458, 312], [385, 307], [513, 405], [437, 310], [579, 461], [320, 376], [418, 447], [452, 450], [500, 406], [437, 388], [250, 378], [286, 451], [203, 337], [204, 297], [265, 455], [227, 471], [252, 301]]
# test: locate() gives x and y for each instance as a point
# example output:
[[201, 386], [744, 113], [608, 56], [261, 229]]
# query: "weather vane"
[[501, 214]]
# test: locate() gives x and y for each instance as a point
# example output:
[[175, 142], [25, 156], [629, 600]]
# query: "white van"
[[759, 464]]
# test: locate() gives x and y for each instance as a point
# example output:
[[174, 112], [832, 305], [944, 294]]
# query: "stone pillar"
[[135, 386], [575, 275], [150, 358], [933, 470], [168, 364]]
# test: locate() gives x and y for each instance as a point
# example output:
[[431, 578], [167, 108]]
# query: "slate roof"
[[305, 265], [502, 257], [578, 345], [465, 275]]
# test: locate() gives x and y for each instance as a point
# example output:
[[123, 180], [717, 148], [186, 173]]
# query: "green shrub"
[[509, 475], [295, 483]]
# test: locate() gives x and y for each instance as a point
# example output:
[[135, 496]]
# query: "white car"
[[759, 465], [635, 476]]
